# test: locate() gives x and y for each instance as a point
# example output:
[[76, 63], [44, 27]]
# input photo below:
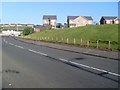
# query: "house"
[[50, 20], [109, 20], [75, 21], [6, 25], [23, 25], [1, 25], [37, 28], [19, 25], [12, 25], [30, 25]]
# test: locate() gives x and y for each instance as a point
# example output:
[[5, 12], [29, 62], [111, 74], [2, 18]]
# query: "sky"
[[32, 12]]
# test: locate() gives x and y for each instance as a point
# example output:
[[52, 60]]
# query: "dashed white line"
[[42, 53], [11, 44], [64, 60], [19, 46], [6, 42], [86, 66], [38, 52]]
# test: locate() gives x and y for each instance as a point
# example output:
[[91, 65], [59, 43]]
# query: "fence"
[[111, 45]]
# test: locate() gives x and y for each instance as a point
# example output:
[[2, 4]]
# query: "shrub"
[[28, 30]]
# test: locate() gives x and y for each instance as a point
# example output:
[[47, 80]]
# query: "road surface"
[[31, 66]]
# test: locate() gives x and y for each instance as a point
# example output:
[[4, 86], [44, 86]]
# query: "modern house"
[[30, 25], [1, 25], [37, 28], [19, 25], [109, 20], [50, 20], [75, 21], [12, 25], [6, 25]]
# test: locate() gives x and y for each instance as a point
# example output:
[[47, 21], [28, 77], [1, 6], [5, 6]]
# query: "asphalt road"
[[30, 66]]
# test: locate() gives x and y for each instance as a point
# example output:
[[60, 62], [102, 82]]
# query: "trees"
[[28, 30], [59, 25]]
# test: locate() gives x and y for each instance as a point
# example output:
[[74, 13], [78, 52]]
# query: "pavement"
[[27, 65], [86, 51]]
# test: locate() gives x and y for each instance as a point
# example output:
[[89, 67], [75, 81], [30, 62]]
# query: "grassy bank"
[[99, 36]]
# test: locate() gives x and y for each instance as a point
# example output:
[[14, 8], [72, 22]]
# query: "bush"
[[28, 30]]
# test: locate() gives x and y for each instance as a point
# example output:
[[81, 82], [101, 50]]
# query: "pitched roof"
[[88, 17], [72, 17], [37, 26], [50, 16], [109, 17]]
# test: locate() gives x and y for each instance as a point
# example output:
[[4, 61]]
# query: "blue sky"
[[32, 12]]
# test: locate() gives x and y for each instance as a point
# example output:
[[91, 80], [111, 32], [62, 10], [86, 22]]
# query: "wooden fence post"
[[109, 45], [97, 44], [81, 41], [74, 41], [88, 43], [62, 39], [56, 39], [67, 40]]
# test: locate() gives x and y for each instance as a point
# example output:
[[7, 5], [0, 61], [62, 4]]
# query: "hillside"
[[103, 33]]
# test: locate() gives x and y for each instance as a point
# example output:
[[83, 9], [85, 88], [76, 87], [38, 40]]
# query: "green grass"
[[103, 33]]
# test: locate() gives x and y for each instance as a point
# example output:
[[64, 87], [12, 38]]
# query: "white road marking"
[[96, 54], [38, 52], [11, 44], [86, 66], [19, 46], [4, 40], [64, 60], [10, 84]]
